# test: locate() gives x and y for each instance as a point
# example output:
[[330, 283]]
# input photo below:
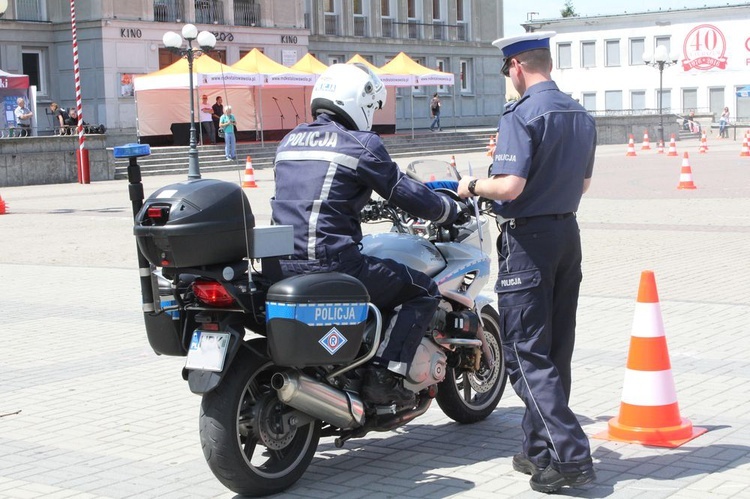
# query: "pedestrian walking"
[[435, 113]]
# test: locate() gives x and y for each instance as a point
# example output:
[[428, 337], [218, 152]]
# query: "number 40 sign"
[[704, 49]]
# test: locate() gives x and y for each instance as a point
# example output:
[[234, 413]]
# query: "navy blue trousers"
[[407, 299], [538, 283]]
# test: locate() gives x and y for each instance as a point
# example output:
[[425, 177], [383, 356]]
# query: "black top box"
[[195, 223]]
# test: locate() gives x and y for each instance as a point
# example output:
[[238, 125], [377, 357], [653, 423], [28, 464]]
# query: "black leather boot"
[[549, 480], [381, 387]]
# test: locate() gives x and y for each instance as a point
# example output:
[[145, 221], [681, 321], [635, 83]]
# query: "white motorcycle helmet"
[[351, 92]]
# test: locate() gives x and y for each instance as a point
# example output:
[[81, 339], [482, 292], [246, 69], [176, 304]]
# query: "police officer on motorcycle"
[[325, 173]]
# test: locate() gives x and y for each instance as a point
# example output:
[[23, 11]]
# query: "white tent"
[[162, 97]]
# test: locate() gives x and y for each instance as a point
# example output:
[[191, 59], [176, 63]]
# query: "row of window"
[[613, 101], [389, 8], [612, 52], [465, 83], [415, 21]]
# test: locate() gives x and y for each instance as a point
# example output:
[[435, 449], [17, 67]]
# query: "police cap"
[[514, 45]]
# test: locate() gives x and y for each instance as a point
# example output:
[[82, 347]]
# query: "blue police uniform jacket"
[[325, 174], [553, 185]]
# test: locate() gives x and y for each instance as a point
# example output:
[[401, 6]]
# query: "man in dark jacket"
[[325, 173]]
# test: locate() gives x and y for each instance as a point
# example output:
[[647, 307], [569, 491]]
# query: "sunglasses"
[[505, 70]]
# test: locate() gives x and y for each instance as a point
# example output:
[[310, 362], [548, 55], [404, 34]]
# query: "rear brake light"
[[212, 293], [158, 214]]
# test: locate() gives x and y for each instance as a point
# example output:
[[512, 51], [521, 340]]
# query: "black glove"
[[464, 213]]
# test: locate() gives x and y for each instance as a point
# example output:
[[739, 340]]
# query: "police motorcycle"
[[278, 361]]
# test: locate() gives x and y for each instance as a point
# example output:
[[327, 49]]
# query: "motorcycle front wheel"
[[468, 397], [243, 439]]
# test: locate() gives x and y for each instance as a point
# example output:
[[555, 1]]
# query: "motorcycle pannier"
[[195, 223], [316, 319]]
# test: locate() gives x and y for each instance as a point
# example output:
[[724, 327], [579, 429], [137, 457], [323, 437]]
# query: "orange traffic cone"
[[649, 413], [491, 146], [704, 142], [3, 206], [646, 145], [660, 147], [745, 149], [631, 146], [686, 175], [453, 161], [249, 180], [672, 147]]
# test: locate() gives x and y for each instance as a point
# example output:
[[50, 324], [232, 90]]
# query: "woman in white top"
[[723, 122]]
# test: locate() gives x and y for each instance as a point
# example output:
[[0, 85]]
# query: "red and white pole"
[[82, 156]]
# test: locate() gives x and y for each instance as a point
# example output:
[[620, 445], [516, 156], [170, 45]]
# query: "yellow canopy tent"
[[309, 64], [403, 71], [280, 82], [358, 58], [161, 96]]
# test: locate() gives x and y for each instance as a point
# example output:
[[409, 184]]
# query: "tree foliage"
[[569, 10]]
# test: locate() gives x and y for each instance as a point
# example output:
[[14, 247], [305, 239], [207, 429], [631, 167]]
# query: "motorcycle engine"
[[427, 368]]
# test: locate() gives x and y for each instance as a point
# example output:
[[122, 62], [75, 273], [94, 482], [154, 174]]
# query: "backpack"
[[434, 108]]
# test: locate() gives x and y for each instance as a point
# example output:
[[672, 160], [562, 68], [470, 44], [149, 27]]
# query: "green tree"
[[569, 10]]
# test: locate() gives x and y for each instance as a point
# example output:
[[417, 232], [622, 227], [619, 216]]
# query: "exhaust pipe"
[[337, 407]]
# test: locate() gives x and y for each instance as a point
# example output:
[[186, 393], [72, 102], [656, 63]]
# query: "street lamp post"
[[173, 42], [660, 59]]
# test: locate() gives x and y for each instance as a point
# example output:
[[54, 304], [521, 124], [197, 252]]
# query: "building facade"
[[118, 40], [600, 61]]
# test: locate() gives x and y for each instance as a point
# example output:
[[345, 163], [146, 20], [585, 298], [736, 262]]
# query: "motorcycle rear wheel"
[[242, 442], [468, 397]]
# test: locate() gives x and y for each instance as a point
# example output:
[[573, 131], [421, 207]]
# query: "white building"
[[599, 60]]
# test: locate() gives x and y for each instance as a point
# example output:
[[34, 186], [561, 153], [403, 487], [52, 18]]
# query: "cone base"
[[249, 184], [670, 437], [686, 187]]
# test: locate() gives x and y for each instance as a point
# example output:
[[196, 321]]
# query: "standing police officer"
[[542, 166], [325, 173]]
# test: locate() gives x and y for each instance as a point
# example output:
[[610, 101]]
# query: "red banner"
[[13, 81]]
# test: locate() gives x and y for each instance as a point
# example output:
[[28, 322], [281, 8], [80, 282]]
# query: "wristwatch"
[[472, 185]]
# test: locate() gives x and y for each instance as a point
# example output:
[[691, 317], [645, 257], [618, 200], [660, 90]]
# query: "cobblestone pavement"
[[87, 409]]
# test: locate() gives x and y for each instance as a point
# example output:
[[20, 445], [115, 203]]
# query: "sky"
[[516, 11]]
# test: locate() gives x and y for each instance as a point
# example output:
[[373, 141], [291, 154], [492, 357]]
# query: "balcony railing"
[[209, 12], [169, 11], [30, 10], [462, 31], [246, 14], [388, 28], [439, 31], [332, 24], [360, 26], [415, 29]]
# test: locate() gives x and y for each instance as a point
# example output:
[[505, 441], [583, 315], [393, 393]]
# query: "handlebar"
[[377, 211]]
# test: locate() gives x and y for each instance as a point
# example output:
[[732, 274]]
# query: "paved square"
[[88, 411]]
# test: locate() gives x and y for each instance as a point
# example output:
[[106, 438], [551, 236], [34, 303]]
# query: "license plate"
[[207, 351]]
